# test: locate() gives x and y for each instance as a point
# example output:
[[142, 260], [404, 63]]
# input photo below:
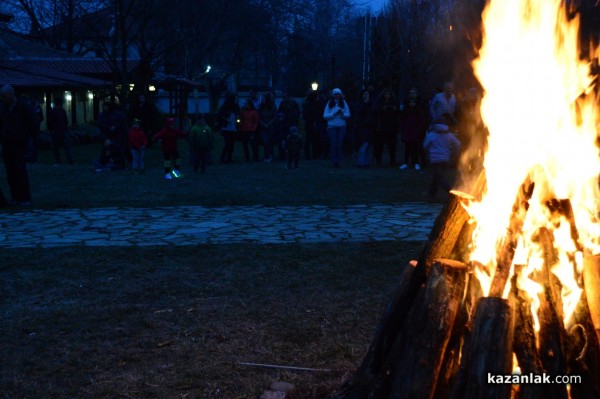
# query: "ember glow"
[[542, 121]]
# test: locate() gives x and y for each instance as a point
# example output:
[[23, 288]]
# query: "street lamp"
[[314, 86]]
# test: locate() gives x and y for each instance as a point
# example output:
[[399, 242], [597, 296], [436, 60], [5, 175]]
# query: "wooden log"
[[552, 335], [449, 224], [591, 283], [524, 344], [427, 330], [506, 250], [460, 331], [445, 231], [584, 353], [489, 350]]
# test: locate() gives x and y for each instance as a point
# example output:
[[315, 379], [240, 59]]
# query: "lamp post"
[[314, 86]]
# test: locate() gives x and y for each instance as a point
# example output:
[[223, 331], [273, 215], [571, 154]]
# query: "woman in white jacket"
[[336, 112]]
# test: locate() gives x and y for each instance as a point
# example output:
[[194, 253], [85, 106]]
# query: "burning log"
[[524, 345], [489, 350], [506, 251], [445, 232], [584, 353], [552, 334], [591, 281]]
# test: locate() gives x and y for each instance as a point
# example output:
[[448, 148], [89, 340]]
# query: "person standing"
[[113, 126], [388, 124], [57, 125], [366, 121], [34, 141], [201, 141], [443, 103], [336, 113], [442, 148], [169, 135], [311, 113], [413, 124], [227, 119], [18, 124], [247, 128], [267, 120], [145, 112], [293, 147], [137, 143]]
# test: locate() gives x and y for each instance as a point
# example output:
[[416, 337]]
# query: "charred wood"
[[506, 250], [426, 332], [489, 350], [552, 334]]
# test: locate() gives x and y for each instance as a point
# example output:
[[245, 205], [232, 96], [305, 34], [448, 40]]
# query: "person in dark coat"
[[313, 116], [113, 126], [18, 124], [388, 122], [413, 124], [365, 122], [145, 112], [228, 120], [57, 125]]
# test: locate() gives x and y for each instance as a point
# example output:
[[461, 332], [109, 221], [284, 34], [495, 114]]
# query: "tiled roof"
[[27, 74]]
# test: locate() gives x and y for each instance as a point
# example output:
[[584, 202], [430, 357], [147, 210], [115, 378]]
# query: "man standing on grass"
[[17, 125]]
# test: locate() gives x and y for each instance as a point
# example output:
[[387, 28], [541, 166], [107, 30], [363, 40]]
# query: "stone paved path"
[[191, 225]]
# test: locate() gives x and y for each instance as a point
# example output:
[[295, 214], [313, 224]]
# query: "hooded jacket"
[[441, 145]]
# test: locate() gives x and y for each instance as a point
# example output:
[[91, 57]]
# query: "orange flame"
[[542, 124]]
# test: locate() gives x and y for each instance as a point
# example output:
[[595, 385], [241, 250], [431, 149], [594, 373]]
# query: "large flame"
[[542, 123]]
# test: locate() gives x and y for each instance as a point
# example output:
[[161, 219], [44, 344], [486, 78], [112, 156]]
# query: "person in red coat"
[[247, 128], [169, 135], [137, 144]]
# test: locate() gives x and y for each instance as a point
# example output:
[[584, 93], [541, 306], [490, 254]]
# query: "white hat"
[[336, 91]]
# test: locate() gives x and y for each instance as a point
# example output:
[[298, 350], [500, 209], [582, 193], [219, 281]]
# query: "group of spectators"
[[432, 132]]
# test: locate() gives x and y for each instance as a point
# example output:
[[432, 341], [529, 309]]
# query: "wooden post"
[[489, 350]]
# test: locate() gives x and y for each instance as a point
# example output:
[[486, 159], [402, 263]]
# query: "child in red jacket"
[[137, 143], [169, 136]]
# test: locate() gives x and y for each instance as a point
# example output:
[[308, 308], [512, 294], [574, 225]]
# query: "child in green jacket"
[[201, 141]]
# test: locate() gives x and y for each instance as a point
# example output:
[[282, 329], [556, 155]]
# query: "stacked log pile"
[[440, 338]]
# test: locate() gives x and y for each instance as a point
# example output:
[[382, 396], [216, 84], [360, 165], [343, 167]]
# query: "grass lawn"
[[170, 322]]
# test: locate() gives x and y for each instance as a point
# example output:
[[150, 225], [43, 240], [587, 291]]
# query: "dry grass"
[[176, 322]]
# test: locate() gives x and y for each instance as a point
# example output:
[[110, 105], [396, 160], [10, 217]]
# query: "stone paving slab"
[[192, 225]]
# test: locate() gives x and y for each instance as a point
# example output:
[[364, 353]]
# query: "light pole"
[[314, 86]]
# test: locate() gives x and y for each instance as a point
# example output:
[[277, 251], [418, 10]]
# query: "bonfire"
[[504, 301]]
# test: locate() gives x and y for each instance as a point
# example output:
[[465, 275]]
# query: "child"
[[293, 146], [111, 158], [137, 143], [169, 135], [201, 140], [442, 147]]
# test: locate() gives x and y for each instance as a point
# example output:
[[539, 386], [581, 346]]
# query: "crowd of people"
[[434, 133]]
